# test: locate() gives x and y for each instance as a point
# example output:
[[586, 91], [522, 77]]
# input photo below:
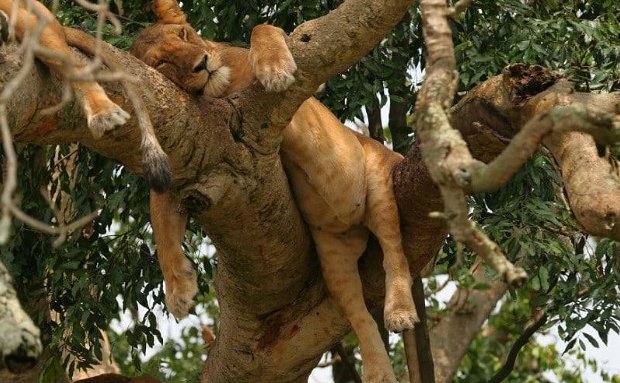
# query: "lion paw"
[[106, 120], [515, 276], [275, 73], [401, 319], [181, 288], [374, 375], [4, 28]]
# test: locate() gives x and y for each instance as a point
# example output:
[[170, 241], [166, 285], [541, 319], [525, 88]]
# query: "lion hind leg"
[[101, 113], [271, 60], [338, 254], [179, 274], [383, 221]]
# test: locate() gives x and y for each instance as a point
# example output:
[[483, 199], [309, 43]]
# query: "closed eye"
[[160, 63]]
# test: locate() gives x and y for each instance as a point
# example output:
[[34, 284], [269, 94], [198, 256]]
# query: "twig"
[[30, 46], [60, 230], [430, 293], [59, 161], [506, 369]]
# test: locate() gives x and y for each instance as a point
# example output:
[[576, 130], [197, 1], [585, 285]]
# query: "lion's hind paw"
[[107, 120], [181, 288], [400, 320]]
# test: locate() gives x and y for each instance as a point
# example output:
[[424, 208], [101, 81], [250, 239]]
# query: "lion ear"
[[169, 12]]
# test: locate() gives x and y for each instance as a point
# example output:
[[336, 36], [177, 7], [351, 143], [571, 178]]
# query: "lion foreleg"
[[271, 60], [179, 274]]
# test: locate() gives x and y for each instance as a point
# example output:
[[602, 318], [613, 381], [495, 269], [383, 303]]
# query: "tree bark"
[[451, 337], [20, 339]]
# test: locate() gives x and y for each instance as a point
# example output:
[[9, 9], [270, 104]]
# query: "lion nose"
[[202, 65]]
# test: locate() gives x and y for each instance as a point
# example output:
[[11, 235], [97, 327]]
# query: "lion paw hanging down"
[[101, 113], [341, 180]]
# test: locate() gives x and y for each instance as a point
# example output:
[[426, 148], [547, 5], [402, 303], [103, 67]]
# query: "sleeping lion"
[[101, 113], [341, 180]]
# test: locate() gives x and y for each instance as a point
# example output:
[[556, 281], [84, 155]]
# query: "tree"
[[271, 296]]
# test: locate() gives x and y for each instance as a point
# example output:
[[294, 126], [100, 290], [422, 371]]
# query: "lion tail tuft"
[[4, 28], [156, 166]]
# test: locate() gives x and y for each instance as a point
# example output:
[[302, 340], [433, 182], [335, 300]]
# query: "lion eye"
[[158, 64]]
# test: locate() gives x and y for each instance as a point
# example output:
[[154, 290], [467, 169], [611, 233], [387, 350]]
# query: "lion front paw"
[[181, 287], [275, 71], [4, 28]]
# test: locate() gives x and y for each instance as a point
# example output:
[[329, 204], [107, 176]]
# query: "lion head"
[[198, 66]]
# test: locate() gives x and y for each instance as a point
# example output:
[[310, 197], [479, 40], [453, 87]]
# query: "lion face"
[[179, 53]]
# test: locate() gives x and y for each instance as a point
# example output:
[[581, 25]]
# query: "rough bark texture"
[[276, 316], [20, 343], [453, 334], [503, 104]]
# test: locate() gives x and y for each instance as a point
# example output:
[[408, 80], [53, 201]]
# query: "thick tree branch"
[[499, 108], [451, 337], [602, 126], [20, 342]]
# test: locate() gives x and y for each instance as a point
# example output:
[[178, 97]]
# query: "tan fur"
[[341, 180], [101, 113]]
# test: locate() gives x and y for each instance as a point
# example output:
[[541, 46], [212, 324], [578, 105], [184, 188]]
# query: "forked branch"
[[448, 158]]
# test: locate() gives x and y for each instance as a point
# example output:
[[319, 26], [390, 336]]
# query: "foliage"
[[178, 361], [578, 37], [575, 286], [83, 278], [537, 362]]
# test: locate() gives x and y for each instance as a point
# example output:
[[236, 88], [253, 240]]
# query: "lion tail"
[[155, 164], [169, 12]]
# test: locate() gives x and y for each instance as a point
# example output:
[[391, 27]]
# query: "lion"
[[341, 179], [101, 113]]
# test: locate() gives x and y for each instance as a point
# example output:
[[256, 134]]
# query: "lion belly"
[[325, 163]]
